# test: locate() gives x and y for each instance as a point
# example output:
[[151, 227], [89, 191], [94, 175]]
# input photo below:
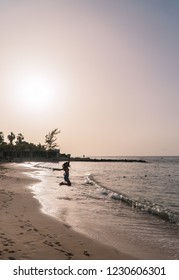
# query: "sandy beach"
[[28, 234]]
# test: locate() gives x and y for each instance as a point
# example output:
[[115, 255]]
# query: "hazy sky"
[[105, 72]]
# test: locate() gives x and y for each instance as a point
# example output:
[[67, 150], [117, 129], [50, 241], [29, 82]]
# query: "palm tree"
[[20, 139], [11, 138], [1, 137]]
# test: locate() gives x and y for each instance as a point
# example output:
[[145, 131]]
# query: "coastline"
[[87, 159], [76, 159], [28, 234]]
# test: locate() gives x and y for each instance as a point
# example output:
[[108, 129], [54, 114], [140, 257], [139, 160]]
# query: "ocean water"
[[133, 207]]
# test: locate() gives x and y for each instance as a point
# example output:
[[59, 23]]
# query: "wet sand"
[[28, 234]]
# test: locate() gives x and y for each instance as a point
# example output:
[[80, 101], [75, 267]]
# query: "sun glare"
[[35, 92], [38, 91]]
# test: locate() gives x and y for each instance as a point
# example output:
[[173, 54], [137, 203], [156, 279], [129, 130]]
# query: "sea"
[[130, 206]]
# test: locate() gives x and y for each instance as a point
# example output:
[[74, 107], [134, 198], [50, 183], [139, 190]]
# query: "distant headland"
[[88, 159]]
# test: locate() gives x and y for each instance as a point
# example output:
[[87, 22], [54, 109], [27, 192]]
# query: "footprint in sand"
[[11, 258], [86, 253], [69, 255], [58, 243], [5, 244]]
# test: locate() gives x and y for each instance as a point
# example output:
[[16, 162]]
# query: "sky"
[[104, 72]]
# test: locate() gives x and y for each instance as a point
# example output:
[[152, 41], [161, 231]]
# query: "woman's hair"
[[66, 164]]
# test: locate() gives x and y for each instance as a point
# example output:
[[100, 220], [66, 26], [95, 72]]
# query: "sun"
[[35, 91], [38, 92]]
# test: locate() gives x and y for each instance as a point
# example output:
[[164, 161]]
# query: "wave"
[[145, 205]]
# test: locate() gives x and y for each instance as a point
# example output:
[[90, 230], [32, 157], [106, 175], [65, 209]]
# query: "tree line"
[[18, 147]]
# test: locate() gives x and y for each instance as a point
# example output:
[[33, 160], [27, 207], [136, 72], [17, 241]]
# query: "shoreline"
[[28, 234]]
